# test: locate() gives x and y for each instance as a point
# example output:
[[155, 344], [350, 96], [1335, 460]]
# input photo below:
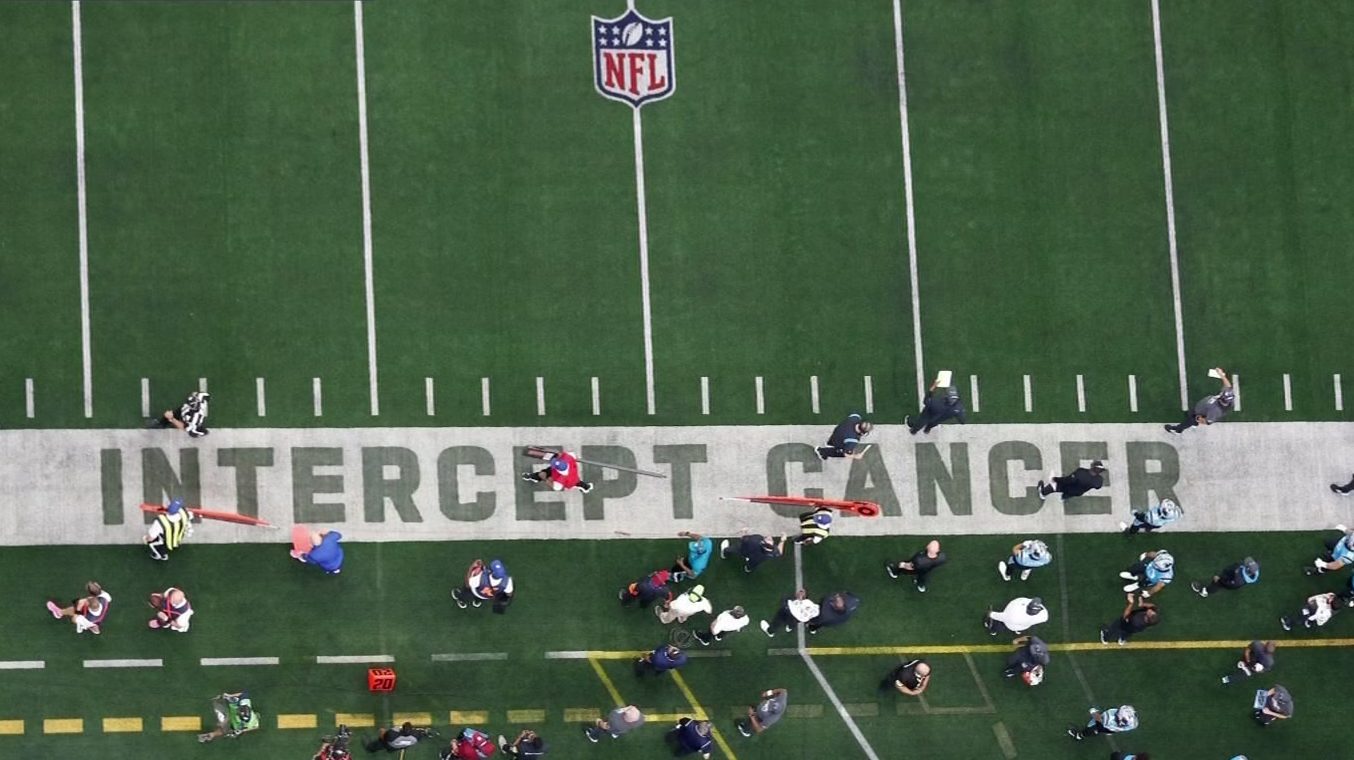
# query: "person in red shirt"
[[470, 744], [562, 472]]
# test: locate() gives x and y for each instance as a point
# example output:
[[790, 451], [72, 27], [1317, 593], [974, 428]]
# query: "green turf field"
[[454, 229]]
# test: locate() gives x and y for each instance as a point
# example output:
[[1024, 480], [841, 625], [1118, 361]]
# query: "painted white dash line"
[[1170, 204], [469, 656], [209, 662], [1339, 393], [86, 352], [260, 393], [1133, 393], [1029, 395], [352, 659], [28, 398], [22, 664], [1236, 391], [813, 393], [367, 266], [429, 396], [1004, 740], [761, 400], [914, 287], [202, 385], [540, 397], [155, 663], [1287, 393], [705, 395], [1081, 394], [869, 395], [484, 396], [973, 392], [596, 397], [317, 392], [145, 397], [584, 654]]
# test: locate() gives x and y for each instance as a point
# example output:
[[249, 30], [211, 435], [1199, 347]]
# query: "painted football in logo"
[[632, 33]]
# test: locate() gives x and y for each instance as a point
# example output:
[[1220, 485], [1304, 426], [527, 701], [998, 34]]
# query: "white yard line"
[[233, 661], [1004, 740], [1236, 391], [1339, 393], [469, 656], [813, 666], [28, 398], [1170, 204], [869, 395], [318, 394], [907, 197], [366, 204], [353, 659], [644, 260], [596, 397], [813, 394], [1133, 393], [429, 396], [761, 400], [973, 392], [261, 395], [484, 396], [540, 397], [124, 663], [86, 351], [1029, 395], [1081, 393], [705, 395], [145, 397], [202, 385], [1287, 393], [22, 664]]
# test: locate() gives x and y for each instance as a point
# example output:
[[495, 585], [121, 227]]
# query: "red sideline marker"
[[862, 508], [212, 514]]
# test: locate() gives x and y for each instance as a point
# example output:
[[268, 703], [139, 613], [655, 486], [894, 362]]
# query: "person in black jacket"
[[835, 610], [1071, 486], [395, 740], [940, 405]]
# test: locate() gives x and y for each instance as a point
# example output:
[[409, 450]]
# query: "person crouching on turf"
[[1150, 574], [88, 613], [1116, 720], [396, 740], [167, 531], [1232, 577], [486, 583], [1257, 657], [190, 417], [325, 552], [527, 744], [698, 551], [1315, 613], [1339, 553], [1031, 656], [1155, 517], [172, 611], [470, 744], [562, 472], [235, 715], [647, 590]]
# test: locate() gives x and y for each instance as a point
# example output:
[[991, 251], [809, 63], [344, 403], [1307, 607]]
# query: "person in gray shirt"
[[1257, 657], [766, 713], [619, 722], [1277, 704], [1210, 409]]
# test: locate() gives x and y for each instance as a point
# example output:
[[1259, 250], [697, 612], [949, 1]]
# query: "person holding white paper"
[[1210, 409], [942, 403]]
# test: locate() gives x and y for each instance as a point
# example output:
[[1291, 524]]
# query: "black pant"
[[831, 451], [1140, 524], [674, 739], [1118, 630], [1346, 488], [1230, 583], [1092, 730], [924, 421], [1190, 421], [783, 615], [157, 548]]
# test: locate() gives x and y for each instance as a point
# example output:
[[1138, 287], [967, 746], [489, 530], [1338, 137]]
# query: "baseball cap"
[[174, 506]]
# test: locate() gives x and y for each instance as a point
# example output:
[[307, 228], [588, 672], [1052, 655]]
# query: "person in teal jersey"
[[698, 551]]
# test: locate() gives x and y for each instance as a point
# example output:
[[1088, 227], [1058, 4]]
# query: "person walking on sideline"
[[814, 526], [937, 408], [1018, 616], [683, 606], [561, 471], [1339, 553], [168, 530], [619, 722], [754, 549], [647, 590], [1274, 704], [1257, 657], [794, 610], [920, 566], [1232, 577], [1150, 574], [172, 611], [1210, 409], [1075, 484], [731, 620], [768, 711], [484, 583], [325, 552], [834, 610], [662, 659], [1138, 616], [911, 678], [1153, 518], [1116, 720], [698, 551], [691, 736], [845, 438], [1025, 557]]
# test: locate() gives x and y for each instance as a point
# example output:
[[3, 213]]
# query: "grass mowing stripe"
[[1170, 203], [702, 713], [122, 725], [469, 656], [360, 50], [150, 663], [86, 352], [606, 681], [296, 720], [907, 196], [22, 664], [63, 726], [180, 723], [11, 727], [215, 661]]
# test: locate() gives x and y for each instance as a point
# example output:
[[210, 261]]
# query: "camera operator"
[[335, 747], [392, 740]]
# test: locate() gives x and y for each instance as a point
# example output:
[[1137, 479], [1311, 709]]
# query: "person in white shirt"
[[729, 621], [794, 610], [172, 611], [684, 606], [87, 613], [1019, 615]]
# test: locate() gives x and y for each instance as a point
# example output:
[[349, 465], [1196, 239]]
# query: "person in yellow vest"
[[168, 530], [815, 526]]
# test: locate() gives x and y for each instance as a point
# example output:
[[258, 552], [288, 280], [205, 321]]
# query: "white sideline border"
[[367, 265], [81, 196], [1170, 204]]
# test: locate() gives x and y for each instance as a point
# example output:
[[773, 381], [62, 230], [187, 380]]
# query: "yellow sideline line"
[[606, 681], [1076, 646], [701, 714]]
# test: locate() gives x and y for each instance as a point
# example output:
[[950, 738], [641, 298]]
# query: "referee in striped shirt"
[[190, 417]]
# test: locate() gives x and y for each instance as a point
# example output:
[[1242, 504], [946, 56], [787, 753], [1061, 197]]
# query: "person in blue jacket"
[[325, 552]]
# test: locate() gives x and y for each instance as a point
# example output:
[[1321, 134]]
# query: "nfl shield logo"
[[632, 58]]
